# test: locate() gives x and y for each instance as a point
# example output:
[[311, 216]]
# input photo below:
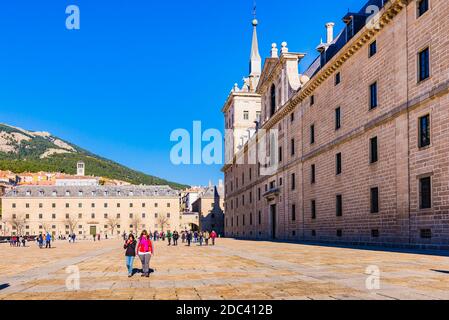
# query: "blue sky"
[[138, 69]]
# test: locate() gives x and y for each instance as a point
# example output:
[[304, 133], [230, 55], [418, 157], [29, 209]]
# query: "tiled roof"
[[92, 191]]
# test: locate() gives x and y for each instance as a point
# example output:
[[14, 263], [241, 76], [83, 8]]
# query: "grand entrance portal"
[[273, 220]]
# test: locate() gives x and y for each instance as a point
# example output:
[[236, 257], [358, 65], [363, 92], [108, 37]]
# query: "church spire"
[[255, 65]]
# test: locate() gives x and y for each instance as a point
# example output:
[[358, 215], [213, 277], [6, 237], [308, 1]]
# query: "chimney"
[[330, 32]]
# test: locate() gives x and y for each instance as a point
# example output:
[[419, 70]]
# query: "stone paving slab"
[[233, 269]]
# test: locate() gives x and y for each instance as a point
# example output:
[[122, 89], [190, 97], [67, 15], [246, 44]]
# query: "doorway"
[[93, 230]]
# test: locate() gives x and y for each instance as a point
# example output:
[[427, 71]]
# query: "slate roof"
[[92, 191]]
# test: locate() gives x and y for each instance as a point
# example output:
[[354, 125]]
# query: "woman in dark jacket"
[[130, 253]]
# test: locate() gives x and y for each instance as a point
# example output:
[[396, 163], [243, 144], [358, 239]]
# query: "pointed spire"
[[255, 66]]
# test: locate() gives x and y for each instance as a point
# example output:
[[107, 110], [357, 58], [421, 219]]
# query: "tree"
[[112, 224], [136, 222], [18, 223], [163, 221], [45, 226], [71, 222]]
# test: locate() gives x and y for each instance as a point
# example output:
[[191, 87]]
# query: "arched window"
[[273, 100]]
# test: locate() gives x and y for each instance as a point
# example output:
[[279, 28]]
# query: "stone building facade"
[[361, 148], [87, 210], [209, 206]]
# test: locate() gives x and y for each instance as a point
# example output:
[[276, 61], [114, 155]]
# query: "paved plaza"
[[233, 269]]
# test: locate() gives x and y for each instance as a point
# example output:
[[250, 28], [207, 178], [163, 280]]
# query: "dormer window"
[[41, 193], [54, 193], [106, 193], [131, 193], [14, 193], [349, 28], [28, 193], [67, 193], [80, 193]]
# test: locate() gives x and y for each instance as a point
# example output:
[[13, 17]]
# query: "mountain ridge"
[[33, 151]]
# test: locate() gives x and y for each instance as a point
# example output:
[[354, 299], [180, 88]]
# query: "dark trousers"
[[169, 241], [188, 242], [47, 244], [175, 242]]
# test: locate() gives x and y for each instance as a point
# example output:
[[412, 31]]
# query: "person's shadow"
[[137, 270]]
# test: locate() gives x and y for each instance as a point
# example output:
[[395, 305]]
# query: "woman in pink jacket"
[[145, 250]]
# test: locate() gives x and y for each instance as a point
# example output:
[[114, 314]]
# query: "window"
[[53, 205], [425, 190], [67, 216], [292, 117], [339, 233], [131, 205], [313, 209], [105, 215], [143, 215], [372, 48], [337, 78], [338, 163], [312, 100], [313, 233], [130, 215], [424, 131], [40, 215], [423, 65], [14, 205], [27, 205], [293, 212], [373, 150], [426, 233], [80, 215], [373, 95], [375, 200], [292, 147], [280, 155], [92, 216], [273, 100], [339, 205], [245, 115], [168, 204], [312, 134], [92, 205], [293, 176], [67, 205], [375, 233], [80, 205], [53, 216], [260, 217], [41, 205], [337, 118], [422, 7], [312, 174], [105, 205], [118, 205]]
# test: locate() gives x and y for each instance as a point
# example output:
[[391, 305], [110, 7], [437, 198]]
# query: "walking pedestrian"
[[195, 237], [169, 237], [175, 238], [145, 250], [201, 237], [48, 241], [206, 237], [130, 253], [213, 235], [189, 237], [183, 237]]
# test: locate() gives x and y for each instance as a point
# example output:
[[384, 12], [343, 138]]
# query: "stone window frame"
[[417, 8], [420, 50], [418, 178], [418, 132]]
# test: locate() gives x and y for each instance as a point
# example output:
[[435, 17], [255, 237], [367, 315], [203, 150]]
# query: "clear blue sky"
[[137, 69]]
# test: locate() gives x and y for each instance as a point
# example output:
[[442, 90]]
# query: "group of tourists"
[[17, 241], [143, 247], [47, 238]]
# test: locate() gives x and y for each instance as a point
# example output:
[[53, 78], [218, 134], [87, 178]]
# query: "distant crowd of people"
[[143, 247]]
